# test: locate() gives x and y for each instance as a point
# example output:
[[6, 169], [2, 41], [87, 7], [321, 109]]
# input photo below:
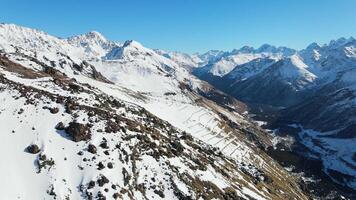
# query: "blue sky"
[[191, 25]]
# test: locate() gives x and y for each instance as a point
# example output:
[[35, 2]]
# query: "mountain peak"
[[132, 43], [130, 48], [93, 43], [246, 49], [313, 45], [95, 35], [340, 42], [267, 48]]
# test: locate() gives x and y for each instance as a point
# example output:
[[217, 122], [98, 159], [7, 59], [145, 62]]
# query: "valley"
[[288, 149], [306, 100]]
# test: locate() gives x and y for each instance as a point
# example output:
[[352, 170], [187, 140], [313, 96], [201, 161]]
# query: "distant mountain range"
[[314, 89]]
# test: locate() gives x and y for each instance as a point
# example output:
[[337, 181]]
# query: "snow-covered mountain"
[[184, 60], [211, 56], [326, 119], [272, 81], [315, 86], [225, 63], [94, 44], [87, 118], [299, 71]]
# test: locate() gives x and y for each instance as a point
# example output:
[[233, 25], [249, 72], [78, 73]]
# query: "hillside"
[[86, 118]]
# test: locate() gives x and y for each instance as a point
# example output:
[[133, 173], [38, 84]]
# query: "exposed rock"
[[75, 87], [54, 110], [33, 148], [91, 184], [116, 195], [230, 194], [186, 136], [102, 180], [78, 132], [110, 165], [92, 149], [126, 175], [98, 76], [60, 126], [101, 166], [177, 146], [91, 113], [101, 196], [159, 193], [170, 93], [112, 127], [20, 111], [43, 162], [104, 145]]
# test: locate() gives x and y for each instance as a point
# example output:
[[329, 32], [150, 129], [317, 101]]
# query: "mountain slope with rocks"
[[86, 118]]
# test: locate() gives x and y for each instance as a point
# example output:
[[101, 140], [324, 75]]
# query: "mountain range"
[[313, 90], [89, 118]]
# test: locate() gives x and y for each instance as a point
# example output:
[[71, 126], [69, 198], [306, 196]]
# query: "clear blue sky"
[[191, 25]]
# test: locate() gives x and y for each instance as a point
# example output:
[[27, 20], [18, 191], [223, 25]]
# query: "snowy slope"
[[293, 69], [249, 69], [182, 59], [156, 136], [225, 65]]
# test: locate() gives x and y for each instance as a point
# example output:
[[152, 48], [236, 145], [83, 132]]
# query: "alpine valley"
[[89, 118]]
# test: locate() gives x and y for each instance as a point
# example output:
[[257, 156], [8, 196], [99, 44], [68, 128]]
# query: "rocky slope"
[[86, 118]]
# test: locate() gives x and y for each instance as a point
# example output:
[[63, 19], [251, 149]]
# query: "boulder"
[[78, 132], [92, 149], [101, 166], [102, 180], [54, 110], [110, 165], [60, 126], [33, 149], [91, 184]]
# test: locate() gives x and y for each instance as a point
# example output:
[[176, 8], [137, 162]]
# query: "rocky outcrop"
[[78, 132]]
